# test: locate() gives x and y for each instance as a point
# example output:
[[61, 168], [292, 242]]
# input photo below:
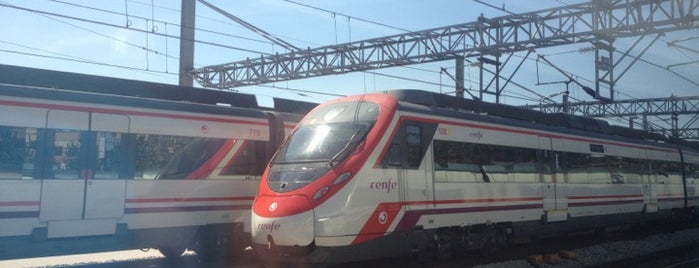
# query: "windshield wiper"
[[300, 161], [344, 149]]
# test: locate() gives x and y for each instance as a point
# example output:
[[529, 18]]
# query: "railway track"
[[631, 248], [679, 257]]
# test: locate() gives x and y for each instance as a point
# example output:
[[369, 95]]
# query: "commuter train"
[[85, 172], [414, 172]]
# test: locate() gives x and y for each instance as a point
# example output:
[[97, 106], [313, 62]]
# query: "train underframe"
[[209, 242], [445, 242]]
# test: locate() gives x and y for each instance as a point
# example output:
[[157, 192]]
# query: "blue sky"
[[126, 39]]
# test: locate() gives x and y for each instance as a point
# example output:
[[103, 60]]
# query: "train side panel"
[[19, 207], [534, 186], [691, 172], [432, 174], [124, 172]]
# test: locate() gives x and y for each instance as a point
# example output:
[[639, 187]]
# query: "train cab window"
[[408, 147], [413, 143], [394, 156]]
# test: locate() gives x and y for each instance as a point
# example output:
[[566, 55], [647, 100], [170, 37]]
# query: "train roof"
[[89, 98], [24, 76], [431, 99]]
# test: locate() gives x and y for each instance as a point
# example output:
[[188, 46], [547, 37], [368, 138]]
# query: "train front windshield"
[[323, 139]]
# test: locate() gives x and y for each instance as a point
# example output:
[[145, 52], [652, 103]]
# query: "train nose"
[[282, 221]]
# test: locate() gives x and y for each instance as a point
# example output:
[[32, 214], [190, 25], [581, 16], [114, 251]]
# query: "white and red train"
[[410, 171], [85, 172]]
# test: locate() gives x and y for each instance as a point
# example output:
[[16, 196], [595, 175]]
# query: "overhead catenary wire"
[[662, 67], [70, 58], [51, 17], [251, 27], [502, 9], [153, 6], [150, 31], [126, 14], [348, 16], [302, 91], [75, 59], [684, 39], [334, 14], [3, 4], [152, 17], [41, 50]]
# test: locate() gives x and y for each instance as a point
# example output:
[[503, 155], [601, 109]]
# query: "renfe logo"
[[384, 185], [269, 226]]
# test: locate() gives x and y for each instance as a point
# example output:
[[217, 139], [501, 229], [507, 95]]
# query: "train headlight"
[[343, 177], [320, 193]]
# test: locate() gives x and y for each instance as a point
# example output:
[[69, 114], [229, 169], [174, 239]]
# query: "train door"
[[105, 193], [554, 192], [416, 176], [650, 191], [73, 202], [413, 165]]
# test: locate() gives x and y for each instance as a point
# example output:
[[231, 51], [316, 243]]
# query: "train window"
[[470, 162], [16, 152], [154, 152], [45, 153], [456, 162], [250, 160], [65, 154], [667, 172], [114, 151], [691, 173], [586, 168], [596, 148], [605, 169], [187, 161], [30, 153]]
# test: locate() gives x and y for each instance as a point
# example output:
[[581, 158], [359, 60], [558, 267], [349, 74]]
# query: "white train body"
[[127, 172], [414, 178]]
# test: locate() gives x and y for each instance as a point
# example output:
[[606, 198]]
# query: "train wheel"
[[210, 247], [439, 247], [495, 239], [220, 242], [444, 248], [172, 251]]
